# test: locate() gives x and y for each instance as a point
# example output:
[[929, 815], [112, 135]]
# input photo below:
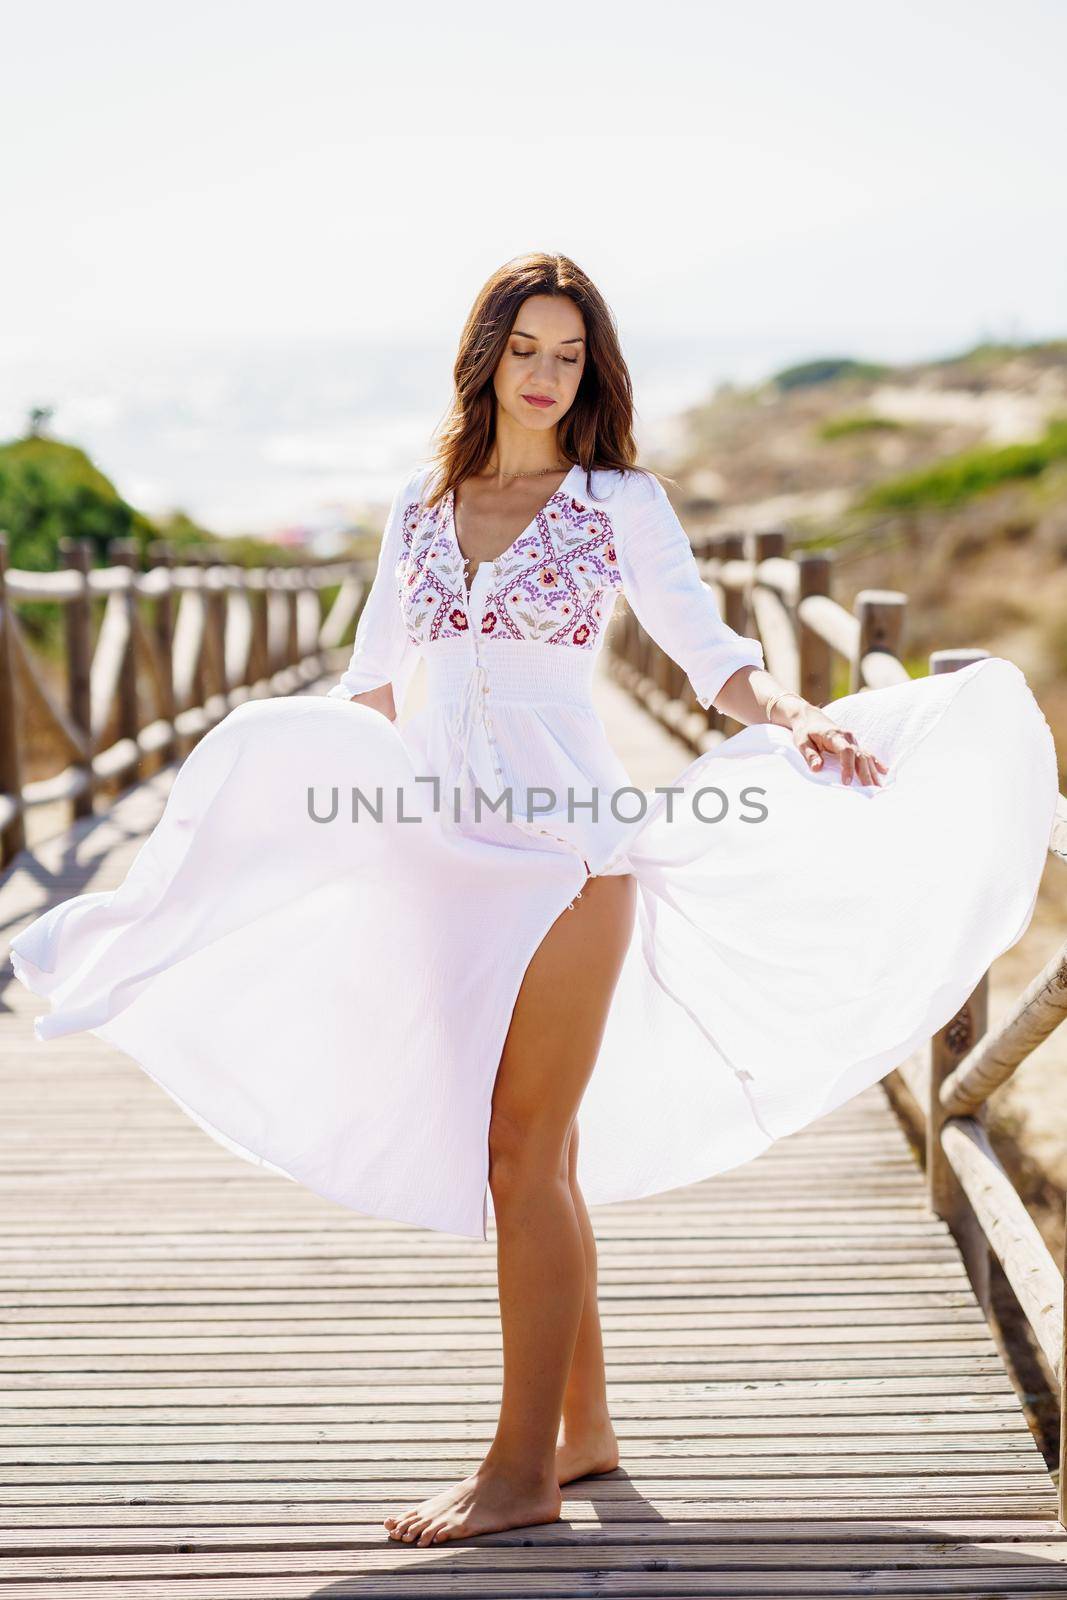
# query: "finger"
[[848, 764], [877, 767], [810, 754]]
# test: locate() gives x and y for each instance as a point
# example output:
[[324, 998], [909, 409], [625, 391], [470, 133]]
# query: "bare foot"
[[487, 1501], [582, 1452]]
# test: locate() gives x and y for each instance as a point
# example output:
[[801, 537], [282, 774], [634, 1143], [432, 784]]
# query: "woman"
[[405, 1018]]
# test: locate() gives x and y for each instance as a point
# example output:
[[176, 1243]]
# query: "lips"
[[538, 400]]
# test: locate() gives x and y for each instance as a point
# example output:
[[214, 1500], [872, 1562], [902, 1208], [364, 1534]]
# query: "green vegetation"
[[827, 369], [961, 477], [50, 490], [991, 352], [847, 423]]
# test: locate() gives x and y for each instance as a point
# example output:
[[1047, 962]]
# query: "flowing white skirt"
[[331, 1001]]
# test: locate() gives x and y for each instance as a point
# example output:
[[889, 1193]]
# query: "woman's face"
[[543, 361]]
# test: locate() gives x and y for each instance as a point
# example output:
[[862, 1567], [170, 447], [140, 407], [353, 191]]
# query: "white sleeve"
[[662, 582], [382, 651]]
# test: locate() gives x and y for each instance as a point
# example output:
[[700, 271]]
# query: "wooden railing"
[[178, 646], [785, 601]]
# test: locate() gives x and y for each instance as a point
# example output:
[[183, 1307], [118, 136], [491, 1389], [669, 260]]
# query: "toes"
[[436, 1532], [412, 1531]]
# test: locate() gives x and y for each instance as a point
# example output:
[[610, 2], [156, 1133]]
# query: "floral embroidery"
[[552, 583], [549, 585], [430, 579]]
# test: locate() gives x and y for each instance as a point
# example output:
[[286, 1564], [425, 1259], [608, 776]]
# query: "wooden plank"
[[742, 1558], [258, 1530], [975, 1584]]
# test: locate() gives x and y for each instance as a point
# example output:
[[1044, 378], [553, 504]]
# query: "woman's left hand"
[[815, 736]]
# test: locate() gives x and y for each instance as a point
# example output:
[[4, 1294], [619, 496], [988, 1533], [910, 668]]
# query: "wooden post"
[[715, 553], [736, 615], [76, 555], [816, 656], [947, 1049], [735, 601], [161, 555], [881, 618], [197, 557], [767, 543], [292, 638], [126, 553], [763, 545], [216, 600], [259, 657], [13, 837], [272, 604]]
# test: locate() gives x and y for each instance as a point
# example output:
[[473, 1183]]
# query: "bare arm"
[[748, 692], [752, 695]]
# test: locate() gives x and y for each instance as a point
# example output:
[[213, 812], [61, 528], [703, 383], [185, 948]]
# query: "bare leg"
[[587, 1441], [549, 1054]]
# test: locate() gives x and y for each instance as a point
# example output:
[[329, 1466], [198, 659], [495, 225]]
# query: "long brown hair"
[[597, 431]]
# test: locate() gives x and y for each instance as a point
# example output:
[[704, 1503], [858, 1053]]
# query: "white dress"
[[318, 949]]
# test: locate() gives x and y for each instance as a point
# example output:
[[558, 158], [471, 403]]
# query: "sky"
[[747, 185]]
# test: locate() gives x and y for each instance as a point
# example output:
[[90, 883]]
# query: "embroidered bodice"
[[509, 664], [554, 583]]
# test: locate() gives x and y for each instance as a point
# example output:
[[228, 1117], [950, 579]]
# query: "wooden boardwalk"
[[216, 1384]]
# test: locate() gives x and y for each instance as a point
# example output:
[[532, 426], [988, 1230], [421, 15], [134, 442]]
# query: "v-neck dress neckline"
[[494, 562]]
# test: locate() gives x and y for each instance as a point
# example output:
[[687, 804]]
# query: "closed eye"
[[570, 361]]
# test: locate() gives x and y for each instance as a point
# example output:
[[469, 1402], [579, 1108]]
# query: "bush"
[[850, 422], [826, 370], [50, 491], [961, 477]]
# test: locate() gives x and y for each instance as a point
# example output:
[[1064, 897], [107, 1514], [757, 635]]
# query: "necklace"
[[540, 473]]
